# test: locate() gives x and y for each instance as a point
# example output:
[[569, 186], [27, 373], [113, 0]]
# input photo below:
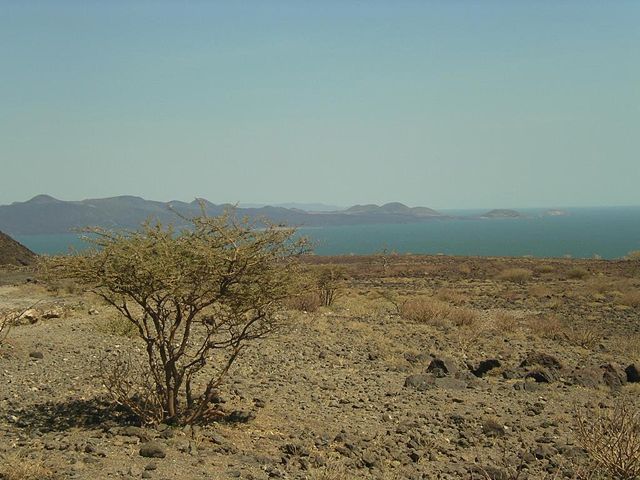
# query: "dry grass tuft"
[[305, 302], [505, 322], [546, 326], [629, 345], [425, 310], [435, 312], [451, 296], [17, 466], [578, 273], [545, 268], [584, 336], [612, 439], [117, 325], [463, 317], [516, 275], [539, 291], [631, 299]]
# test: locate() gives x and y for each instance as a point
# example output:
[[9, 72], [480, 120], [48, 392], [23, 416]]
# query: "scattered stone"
[[36, 355], [153, 450], [420, 382], [240, 416], [55, 312], [540, 375], [441, 367], [541, 359], [613, 376], [486, 366], [633, 374], [493, 428]]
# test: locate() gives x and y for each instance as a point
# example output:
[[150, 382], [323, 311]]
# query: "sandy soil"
[[355, 390]]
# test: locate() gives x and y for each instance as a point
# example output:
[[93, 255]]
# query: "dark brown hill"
[[14, 253]]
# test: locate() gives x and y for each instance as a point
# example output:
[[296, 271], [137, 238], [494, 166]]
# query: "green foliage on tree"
[[196, 298]]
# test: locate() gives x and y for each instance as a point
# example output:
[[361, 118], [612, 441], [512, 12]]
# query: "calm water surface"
[[608, 232]]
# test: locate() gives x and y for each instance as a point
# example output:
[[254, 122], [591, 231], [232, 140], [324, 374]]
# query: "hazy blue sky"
[[443, 104]]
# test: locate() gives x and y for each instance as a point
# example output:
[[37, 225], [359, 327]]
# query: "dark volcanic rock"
[[485, 366], [633, 375], [420, 382], [153, 450], [441, 367], [541, 375], [613, 376], [541, 359]]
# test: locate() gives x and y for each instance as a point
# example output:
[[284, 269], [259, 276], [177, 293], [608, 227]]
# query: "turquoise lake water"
[[607, 232]]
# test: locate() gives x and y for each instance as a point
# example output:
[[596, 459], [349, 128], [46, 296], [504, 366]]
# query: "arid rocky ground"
[[424, 367]]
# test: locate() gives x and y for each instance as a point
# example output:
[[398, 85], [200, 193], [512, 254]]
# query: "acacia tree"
[[195, 297]]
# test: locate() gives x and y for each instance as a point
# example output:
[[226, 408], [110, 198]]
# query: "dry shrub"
[[451, 296], [505, 322], [516, 275], [18, 466], [59, 286], [425, 310], [393, 298], [612, 439], [117, 325], [633, 255], [545, 268], [631, 299], [599, 285], [433, 311], [8, 318], [305, 302], [329, 282], [464, 269], [539, 291], [629, 345], [546, 326], [463, 317], [583, 336], [578, 273]]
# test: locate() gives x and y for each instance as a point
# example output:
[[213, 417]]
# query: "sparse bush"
[[583, 336], [117, 325], [451, 296], [59, 286], [432, 311], [516, 275], [546, 326], [505, 322], [633, 255], [545, 268], [304, 302], [393, 298], [18, 466], [539, 290], [196, 298], [612, 439], [328, 282], [8, 319], [463, 317], [578, 273], [425, 310], [631, 299]]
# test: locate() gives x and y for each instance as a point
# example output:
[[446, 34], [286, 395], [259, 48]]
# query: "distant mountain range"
[[44, 214]]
